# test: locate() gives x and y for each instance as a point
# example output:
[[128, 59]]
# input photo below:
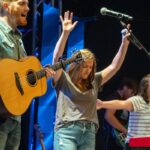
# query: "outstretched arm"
[[67, 26], [115, 104], [111, 70]]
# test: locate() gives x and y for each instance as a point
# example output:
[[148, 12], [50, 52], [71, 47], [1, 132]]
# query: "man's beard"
[[20, 21]]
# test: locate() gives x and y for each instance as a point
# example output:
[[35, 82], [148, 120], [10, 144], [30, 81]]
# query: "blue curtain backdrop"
[[47, 103]]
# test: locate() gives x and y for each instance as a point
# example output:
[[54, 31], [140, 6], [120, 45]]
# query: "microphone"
[[106, 12]]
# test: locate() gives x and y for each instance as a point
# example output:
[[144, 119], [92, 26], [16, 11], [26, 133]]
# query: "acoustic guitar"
[[23, 80]]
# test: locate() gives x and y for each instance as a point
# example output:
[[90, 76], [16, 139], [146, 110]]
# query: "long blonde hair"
[[74, 68]]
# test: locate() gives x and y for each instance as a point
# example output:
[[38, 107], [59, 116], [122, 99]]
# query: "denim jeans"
[[77, 135], [10, 132]]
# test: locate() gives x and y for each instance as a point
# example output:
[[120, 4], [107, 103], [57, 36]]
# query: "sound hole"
[[31, 78]]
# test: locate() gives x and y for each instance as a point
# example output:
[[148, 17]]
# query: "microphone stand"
[[134, 40]]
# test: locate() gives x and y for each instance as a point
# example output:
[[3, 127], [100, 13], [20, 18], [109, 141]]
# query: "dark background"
[[102, 35]]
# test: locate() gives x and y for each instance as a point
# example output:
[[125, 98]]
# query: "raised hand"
[[125, 34], [67, 23]]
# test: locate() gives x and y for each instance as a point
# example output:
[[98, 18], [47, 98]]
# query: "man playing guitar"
[[117, 120], [13, 13]]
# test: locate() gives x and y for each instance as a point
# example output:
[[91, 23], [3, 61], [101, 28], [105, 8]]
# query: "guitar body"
[[16, 89], [119, 138]]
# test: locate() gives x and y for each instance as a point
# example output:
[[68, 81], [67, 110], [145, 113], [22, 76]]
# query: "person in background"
[[77, 89], [13, 13], [116, 121], [139, 108]]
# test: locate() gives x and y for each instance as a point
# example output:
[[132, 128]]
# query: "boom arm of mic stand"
[[135, 41]]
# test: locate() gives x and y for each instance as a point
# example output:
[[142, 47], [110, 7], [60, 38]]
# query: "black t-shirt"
[[121, 115]]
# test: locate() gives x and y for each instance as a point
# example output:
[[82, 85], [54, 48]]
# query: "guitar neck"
[[62, 64], [58, 65]]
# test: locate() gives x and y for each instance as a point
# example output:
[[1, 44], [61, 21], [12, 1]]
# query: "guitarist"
[[13, 13], [116, 120]]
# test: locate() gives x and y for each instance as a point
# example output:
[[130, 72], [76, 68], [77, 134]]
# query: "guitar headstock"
[[77, 56]]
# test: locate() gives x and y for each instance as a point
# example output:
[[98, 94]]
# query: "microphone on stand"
[[120, 16], [106, 12]]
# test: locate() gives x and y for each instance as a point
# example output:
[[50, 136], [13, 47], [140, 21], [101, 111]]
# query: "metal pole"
[[60, 12], [34, 25]]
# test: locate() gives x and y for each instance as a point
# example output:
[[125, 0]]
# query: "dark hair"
[[143, 87], [130, 83]]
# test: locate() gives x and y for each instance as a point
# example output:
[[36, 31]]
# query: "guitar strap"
[[63, 66], [61, 61], [18, 45], [18, 54]]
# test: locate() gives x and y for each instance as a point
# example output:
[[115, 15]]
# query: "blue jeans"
[[10, 134], [77, 135]]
